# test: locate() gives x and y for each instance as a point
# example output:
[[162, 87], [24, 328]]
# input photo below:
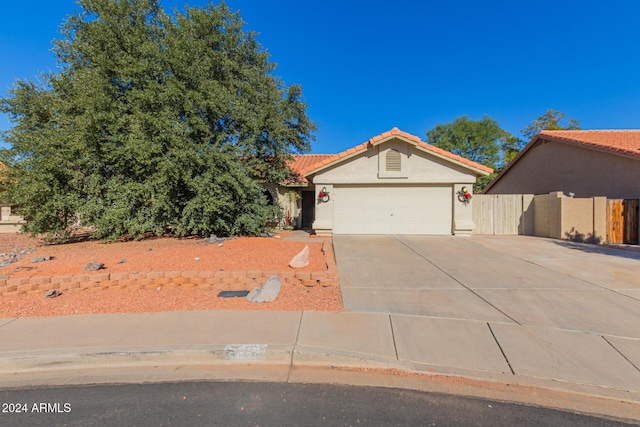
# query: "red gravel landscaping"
[[162, 274]]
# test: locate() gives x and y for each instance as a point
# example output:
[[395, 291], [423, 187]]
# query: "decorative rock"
[[211, 239], [122, 261], [232, 294], [220, 244], [268, 292], [49, 258], [52, 293], [197, 258], [93, 266], [38, 259], [301, 260]]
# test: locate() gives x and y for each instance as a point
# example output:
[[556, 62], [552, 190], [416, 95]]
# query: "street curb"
[[282, 364]]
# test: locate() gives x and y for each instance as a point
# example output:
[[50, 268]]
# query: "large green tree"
[[477, 140], [482, 141], [154, 123]]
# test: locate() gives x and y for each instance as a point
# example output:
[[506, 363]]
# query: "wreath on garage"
[[464, 196], [323, 195]]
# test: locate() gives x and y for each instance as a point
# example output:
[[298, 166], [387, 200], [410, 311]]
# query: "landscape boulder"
[[268, 292], [93, 266], [301, 260], [52, 293]]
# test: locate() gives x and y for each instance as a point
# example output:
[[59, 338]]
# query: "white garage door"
[[392, 209]]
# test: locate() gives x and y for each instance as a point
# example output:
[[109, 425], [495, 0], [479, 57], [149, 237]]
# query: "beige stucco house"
[[587, 163], [394, 183]]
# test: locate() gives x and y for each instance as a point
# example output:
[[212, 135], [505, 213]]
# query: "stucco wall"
[[546, 213], [552, 166], [568, 218]]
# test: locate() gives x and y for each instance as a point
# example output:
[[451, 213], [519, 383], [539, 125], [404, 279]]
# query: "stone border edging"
[[208, 280]]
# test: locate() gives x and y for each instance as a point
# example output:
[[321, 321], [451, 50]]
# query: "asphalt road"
[[265, 404]]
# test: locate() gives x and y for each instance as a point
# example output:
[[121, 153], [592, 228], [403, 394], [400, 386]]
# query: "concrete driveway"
[[503, 279]]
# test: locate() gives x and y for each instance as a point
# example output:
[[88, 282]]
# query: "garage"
[[393, 184], [392, 209]]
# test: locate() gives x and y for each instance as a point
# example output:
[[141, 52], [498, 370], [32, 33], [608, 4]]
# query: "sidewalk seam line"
[[619, 352], [601, 287], [456, 280], [393, 337], [9, 322], [501, 350], [293, 348]]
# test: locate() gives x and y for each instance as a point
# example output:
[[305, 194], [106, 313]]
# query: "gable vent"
[[393, 161]]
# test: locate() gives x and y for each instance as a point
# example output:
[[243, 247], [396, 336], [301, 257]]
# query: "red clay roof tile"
[[302, 162], [618, 141]]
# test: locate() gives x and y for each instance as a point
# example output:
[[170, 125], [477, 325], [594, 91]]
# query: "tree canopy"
[[551, 120], [485, 142], [153, 123], [477, 140]]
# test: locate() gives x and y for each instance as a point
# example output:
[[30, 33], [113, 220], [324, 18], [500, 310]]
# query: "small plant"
[[288, 219], [293, 196]]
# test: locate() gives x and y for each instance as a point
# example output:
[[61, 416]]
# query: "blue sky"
[[368, 66]]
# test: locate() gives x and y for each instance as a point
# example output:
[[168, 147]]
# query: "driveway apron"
[[386, 274], [507, 279]]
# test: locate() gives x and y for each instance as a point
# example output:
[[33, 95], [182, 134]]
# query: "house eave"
[[418, 144]]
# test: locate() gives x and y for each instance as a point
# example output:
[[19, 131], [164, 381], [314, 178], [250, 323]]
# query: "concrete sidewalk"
[[580, 371]]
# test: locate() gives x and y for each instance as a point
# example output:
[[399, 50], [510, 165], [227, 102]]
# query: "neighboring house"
[[587, 163], [392, 184]]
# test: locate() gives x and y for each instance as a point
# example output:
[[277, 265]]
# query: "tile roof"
[[621, 142], [326, 159], [301, 163], [625, 142]]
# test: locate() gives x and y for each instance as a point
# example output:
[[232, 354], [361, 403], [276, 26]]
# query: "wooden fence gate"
[[622, 221], [502, 214]]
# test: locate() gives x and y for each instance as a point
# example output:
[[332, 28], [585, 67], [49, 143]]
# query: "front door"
[[308, 207]]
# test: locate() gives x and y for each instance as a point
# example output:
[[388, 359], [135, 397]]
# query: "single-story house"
[[587, 163], [394, 183]]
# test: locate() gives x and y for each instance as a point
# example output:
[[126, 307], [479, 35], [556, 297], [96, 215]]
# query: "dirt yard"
[[160, 254]]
